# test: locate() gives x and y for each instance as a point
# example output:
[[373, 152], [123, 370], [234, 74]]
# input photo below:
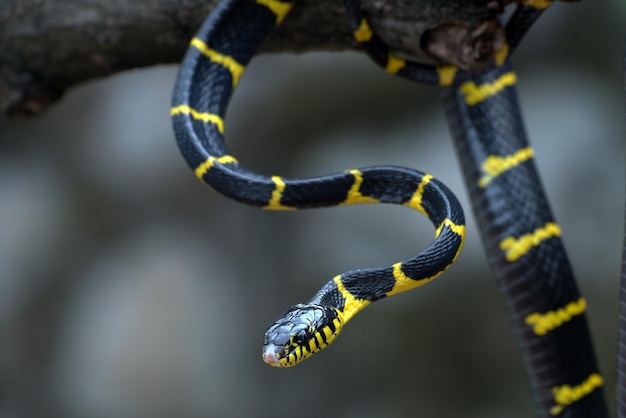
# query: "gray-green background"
[[127, 289]]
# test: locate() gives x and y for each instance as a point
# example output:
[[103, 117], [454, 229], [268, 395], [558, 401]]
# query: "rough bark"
[[47, 46]]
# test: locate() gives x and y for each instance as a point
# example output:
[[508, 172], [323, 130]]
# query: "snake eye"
[[300, 338]]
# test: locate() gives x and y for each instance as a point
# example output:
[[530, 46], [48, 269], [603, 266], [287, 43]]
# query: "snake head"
[[301, 332]]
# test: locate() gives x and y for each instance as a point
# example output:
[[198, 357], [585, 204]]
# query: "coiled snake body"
[[518, 230]]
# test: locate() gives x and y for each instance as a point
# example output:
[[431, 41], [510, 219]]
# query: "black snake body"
[[533, 272]]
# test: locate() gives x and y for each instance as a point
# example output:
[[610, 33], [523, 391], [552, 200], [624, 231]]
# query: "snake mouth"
[[272, 355]]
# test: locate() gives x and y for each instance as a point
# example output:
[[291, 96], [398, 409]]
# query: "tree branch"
[[47, 46]]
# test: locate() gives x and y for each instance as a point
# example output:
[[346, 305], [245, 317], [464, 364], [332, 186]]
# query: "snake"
[[520, 235]]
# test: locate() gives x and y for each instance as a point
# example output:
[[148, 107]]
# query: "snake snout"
[[272, 355]]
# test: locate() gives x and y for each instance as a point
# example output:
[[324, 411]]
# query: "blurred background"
[[128, 289]]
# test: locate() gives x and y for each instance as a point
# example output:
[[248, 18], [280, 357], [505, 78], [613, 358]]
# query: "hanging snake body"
[[209, 73], [524, 249]]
